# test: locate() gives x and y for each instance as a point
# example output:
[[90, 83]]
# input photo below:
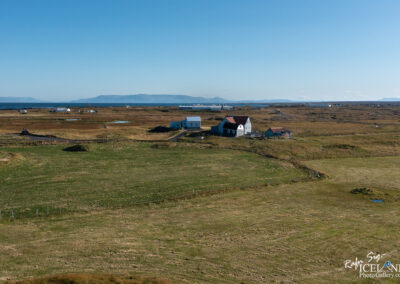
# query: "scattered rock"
[[361, 190]]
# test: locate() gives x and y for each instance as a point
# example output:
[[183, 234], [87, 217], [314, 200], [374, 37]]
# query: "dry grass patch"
[[289, 233]]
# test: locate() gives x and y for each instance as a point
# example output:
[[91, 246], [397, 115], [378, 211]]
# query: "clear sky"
[[250, 49]]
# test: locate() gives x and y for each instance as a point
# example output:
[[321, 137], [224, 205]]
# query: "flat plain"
[[211, 210]]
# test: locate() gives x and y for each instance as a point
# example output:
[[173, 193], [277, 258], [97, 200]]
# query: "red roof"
[[230, 119], [239, 119]]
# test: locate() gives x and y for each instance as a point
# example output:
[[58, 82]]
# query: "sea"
[[13, 106], [53, 105]]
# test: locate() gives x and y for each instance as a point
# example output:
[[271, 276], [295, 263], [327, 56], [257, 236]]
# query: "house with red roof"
[[233, 126]]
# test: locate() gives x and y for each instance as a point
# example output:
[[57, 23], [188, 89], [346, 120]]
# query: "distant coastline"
[[16, 106], [154, 100], [13, 106]]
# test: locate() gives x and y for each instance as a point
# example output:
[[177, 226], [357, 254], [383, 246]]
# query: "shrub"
[[76, 148]]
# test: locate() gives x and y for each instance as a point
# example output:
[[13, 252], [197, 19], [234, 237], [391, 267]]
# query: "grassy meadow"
[[299, 232], [210, 210], [117, 175]]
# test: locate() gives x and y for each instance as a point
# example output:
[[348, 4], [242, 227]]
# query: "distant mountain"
[[19, 100], [172, 99], [390, 99], [146, 99], [150, 99]]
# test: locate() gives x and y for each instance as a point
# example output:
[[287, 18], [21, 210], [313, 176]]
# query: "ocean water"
[[120, 121], [51, 105]]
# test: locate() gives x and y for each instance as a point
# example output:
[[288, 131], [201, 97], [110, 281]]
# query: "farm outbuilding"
[[276, 132], [190, 122]]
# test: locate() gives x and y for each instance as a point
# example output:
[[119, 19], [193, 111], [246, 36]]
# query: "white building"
[[60, 109], [233, 130], [233, 126], [205, 107], [190, 122]]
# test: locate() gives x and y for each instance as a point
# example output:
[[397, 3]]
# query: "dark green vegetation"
[[76, 148], [117, 175]]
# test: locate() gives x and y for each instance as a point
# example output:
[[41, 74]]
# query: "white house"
[[23, 111], [190, 122], [233, 130], [237, 125]]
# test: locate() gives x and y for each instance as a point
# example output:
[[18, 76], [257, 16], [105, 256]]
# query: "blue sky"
[[250, 49]]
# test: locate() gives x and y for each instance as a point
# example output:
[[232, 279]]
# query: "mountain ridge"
[[146, 98]]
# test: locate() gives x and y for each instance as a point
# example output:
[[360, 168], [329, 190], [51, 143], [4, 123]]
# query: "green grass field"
[[380, 172], [116, 175], [280, 227], [299, 232]]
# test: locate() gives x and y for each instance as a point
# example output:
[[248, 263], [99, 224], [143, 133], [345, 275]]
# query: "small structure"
[[277, 132], [319, 105], [205, 107], [233, 126], [23, 111], [190, 122], [176, 124], [60, 109]]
